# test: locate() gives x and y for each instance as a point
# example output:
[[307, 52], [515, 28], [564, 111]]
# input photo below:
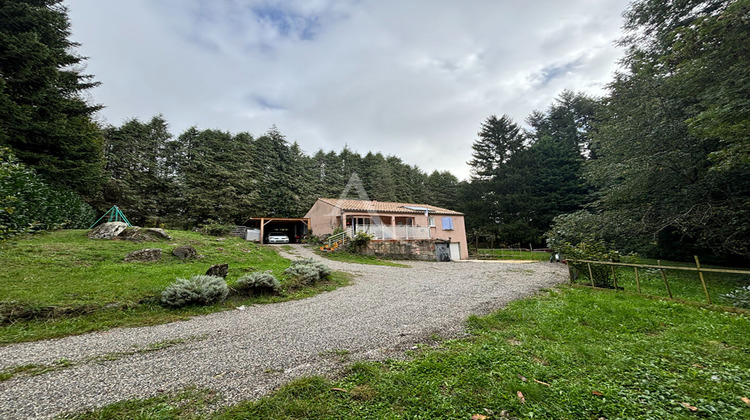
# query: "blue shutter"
[[447, 223]]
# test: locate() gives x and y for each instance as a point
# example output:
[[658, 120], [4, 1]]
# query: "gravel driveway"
[[244, 354]]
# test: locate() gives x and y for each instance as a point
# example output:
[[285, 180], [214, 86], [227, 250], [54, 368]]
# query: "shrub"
[[313, 239], [740, 298], [28, 204], [215, 229], [593, 251], [308, 271], [359, 241], [197, 290], [258, 282], [304, 274]]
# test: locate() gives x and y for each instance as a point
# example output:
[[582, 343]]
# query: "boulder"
[[185, 252], [108, 230], [218, 270], [137, 234], [144, 255], [159, 233]]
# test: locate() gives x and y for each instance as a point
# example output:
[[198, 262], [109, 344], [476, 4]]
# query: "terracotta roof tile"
[[385, 206]]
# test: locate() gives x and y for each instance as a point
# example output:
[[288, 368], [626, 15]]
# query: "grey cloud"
[[412, 79]]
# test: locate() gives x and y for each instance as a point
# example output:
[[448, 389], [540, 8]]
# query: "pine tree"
[[43, 117], [499, 140], [139, 180]]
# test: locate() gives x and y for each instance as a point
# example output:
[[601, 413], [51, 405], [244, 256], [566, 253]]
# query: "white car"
[[277, 238]]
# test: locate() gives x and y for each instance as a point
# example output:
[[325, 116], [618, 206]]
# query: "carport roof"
[[278, 219]]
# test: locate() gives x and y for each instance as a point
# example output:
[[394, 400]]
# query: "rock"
[[108, 230], [185, 252], [133, 233], [159, 233], [137, 234], [218, 270], [144, 255]]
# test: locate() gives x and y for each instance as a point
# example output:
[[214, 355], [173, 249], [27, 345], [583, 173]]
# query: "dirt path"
[[246, 353]]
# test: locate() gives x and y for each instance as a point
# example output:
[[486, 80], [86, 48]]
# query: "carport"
[[294, 228]]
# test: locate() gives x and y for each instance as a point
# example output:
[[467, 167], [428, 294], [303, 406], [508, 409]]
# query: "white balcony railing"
[[386, 232]]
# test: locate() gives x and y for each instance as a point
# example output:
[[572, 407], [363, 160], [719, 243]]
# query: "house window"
[[431, 221], [447, 223]]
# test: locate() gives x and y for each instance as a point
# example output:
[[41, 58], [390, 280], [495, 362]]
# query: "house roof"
[[386, 207]]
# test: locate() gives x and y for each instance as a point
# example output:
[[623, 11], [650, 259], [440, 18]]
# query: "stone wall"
[[402, 250]]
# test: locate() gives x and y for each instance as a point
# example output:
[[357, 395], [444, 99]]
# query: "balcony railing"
[[388, 232]]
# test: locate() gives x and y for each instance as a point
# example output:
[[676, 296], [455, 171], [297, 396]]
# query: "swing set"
[[114, 215]]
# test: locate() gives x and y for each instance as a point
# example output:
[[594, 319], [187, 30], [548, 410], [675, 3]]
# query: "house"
[[391, 222]]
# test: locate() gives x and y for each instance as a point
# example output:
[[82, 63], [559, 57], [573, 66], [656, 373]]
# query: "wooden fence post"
[[570, 273], [591, 275], [703, 281], [614, 276], [664, 276], [637, 281]]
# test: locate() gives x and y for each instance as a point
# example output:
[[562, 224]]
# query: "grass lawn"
[[512, 254], [350, 257], [684, 285], [65, 283], [575, 353]]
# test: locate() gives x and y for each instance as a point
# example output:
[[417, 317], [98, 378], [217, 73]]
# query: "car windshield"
[[277, 234]]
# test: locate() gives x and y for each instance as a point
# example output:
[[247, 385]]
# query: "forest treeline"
[[659, 165], [211, 176]]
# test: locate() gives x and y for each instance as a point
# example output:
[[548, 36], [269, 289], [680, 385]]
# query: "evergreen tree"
[[276, 179], [377, 177], [679, 107], [490, 206], [499, 140], [216, 176], [442, 190], [139, 181], [43, 117]]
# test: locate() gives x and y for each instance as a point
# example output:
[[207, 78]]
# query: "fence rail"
[[659, 266], [666, 267]]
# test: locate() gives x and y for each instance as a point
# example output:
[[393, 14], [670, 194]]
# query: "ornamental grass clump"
[[256, 283], [308, 271], [197, 290]]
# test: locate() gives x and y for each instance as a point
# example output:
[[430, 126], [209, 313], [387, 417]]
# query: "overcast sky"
[[410, 78]]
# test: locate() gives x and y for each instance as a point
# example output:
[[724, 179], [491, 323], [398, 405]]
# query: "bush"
[[198, 290], [740, 298], [304, 274], [258, 282], [308, 271], [359, 241], [215, 229], [592, 251], [28, 204]]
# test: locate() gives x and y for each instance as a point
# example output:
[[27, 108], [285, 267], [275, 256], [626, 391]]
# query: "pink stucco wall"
[[323, 218]]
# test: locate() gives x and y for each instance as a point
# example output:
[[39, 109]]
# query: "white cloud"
[[412, 79]]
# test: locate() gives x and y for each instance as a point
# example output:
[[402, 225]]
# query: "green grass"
[[190, 403], [575, 353], [65, 283], [684, 285], [512, 254], [349, 257]]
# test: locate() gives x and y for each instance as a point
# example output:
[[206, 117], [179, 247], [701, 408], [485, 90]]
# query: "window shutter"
[[447, 223]]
